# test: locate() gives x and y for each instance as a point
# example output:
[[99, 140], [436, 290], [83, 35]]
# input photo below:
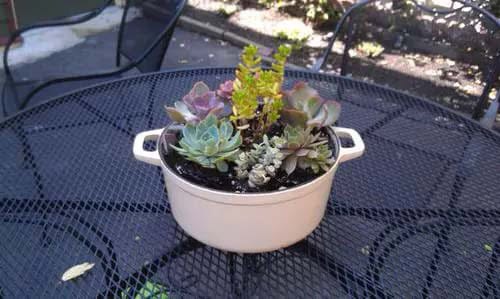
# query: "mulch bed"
[[454, 84]]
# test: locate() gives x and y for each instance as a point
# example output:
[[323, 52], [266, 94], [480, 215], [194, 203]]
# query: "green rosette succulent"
[[210, 143], [305, 150]]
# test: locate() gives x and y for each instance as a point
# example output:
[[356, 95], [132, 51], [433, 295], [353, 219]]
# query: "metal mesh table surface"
[[417, 215]]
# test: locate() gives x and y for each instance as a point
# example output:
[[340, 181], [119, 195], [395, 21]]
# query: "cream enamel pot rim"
[[248, 222]]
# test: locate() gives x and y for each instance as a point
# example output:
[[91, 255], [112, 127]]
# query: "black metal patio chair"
[[446, 32], [142, 41]]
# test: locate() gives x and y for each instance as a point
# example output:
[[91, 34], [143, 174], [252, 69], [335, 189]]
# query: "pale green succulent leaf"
[[294, 117], [200, 88], [178, 149], [333, 112], [209, 121], [316, 137], [189, 132], [303, 152], [212, 133], [320, 118], [188, 147], [234, 142], [183, 109], [312, 105], [222, 166], [175, 115], [303, 163], [300, 93], [312, 154], [210, 148], [316, 144], [290, 164], [287, 152], [202, 160], [227, 155], [186, 144], [226, 130]]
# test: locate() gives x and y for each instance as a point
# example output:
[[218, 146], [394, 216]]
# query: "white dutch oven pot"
[[248, 222]]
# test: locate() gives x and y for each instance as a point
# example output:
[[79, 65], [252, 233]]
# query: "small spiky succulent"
[[318, 159], [303, 106], [305, 150], [209, 143], [261, 163], [196, 105]]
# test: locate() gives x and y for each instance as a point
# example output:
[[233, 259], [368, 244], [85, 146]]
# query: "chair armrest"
[[73, 21]]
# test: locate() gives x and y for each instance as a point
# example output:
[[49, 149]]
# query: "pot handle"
[[150, 157], [349, 153]]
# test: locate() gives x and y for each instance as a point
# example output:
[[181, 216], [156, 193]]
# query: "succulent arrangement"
[[252, 130]]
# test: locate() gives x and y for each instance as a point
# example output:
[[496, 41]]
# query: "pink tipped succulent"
[[225, 90], [196, 105], [303, 106]]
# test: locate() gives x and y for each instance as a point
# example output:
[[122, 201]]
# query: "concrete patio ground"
[[97, 53]]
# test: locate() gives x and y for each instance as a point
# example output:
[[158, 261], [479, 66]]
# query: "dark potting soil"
[[211, 178]]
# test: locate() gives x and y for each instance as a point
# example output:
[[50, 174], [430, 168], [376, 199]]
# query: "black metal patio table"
[[417, 215]]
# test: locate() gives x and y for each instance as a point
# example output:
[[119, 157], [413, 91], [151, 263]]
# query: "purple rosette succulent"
[[196, 105]]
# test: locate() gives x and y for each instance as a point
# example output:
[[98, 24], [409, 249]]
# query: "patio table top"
[[417, 215]]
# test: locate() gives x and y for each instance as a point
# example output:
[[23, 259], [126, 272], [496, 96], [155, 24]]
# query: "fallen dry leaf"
[[365, 250], [76, 271]]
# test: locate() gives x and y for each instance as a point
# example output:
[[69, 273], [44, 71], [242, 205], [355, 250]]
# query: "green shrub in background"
[[318, 12], [294, 37], [321, 12]]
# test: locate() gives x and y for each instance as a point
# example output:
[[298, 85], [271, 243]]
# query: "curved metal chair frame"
[[492, 75], [165, 33], [162, 44]]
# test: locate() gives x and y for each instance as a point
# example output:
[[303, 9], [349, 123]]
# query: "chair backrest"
[[18, 87], [151, 21], [459, 46], [65, 21]]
